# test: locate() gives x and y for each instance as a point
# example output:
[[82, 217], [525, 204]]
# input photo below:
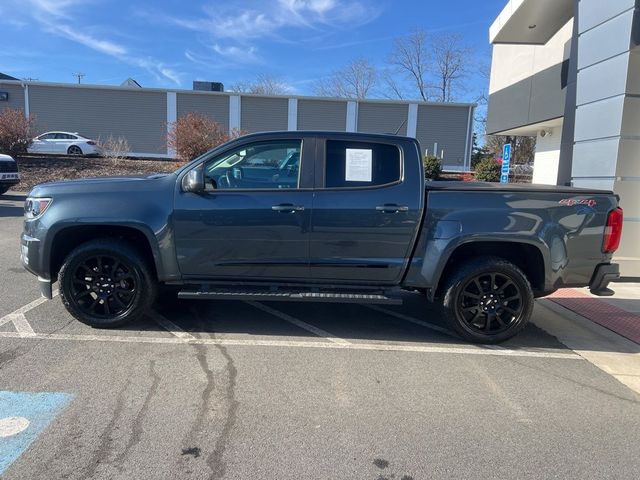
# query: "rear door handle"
[[287, 208], [392, 208]]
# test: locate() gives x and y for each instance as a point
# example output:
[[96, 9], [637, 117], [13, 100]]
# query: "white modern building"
[[568, 72]]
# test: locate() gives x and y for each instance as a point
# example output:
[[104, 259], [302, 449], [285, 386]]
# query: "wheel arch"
[[75, 145], [68, 237], [528, 257]]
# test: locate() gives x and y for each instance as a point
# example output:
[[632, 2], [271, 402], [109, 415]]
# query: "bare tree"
[[264, 84], [410, 56], [355, 80], [393, 89], [483, 73], [524, 148], [435, 65], [450, 58]]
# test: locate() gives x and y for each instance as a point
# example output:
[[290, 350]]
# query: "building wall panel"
[[16, 96], [537, 98], [382, 117], [448, 127], [261, 114], [139, 116], [211, 105], [322, 115]]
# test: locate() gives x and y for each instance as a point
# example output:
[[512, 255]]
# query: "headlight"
[[35, 207]]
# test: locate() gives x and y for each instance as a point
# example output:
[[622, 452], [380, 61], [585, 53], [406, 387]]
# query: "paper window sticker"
[[359, 165]]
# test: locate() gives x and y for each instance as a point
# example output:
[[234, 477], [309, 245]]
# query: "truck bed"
[[510, 187]]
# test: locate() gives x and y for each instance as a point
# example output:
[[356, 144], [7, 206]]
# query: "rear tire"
[[74, 150], [106, 283], [4, 190], [487, 300]]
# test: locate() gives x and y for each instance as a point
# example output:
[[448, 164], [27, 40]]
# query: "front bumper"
[[45, 287], [604, 273], [10, 178], [31, 258]]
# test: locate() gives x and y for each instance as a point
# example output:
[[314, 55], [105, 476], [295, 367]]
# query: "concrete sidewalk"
[[603, 330], [620, 313]]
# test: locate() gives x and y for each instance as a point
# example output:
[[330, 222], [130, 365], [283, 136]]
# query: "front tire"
[[487, 300], [106, 283]]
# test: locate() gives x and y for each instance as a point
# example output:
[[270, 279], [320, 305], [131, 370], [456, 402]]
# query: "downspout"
[[25, 87]]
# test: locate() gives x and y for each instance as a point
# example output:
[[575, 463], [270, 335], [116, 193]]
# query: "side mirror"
[[193, 181]]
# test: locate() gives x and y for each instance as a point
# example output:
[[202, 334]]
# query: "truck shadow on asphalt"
[[417, 321]]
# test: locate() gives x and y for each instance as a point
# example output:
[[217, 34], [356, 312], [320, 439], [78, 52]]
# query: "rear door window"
[[361, 164]]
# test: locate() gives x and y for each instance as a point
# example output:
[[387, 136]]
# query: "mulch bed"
[[36, 169]]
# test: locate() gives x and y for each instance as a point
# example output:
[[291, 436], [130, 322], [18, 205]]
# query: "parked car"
[[322, 217], [9, 175], [64, 143]]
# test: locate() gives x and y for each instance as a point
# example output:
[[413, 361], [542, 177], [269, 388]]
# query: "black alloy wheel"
[[107, 283], [104, 286], [487, 300], [489, 303]]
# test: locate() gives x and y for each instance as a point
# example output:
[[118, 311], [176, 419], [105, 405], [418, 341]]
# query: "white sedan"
[[64, 143]]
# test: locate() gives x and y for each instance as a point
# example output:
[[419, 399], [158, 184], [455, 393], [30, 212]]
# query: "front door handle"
[[392, 208], [287, 208]]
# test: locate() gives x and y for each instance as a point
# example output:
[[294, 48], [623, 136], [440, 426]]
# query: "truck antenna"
[[400, 127]]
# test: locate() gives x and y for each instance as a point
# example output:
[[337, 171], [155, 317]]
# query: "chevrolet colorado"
[[318, 216]]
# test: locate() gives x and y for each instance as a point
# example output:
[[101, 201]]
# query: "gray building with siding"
[[142, 115]]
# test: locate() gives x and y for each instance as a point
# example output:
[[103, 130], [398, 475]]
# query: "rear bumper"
[[9, 182], [604, 273]]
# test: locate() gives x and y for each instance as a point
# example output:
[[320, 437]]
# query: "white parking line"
[[299, 323], [407, 318], [19, 320], [468, 350], [422, 323], [22, 326], [171, 327]]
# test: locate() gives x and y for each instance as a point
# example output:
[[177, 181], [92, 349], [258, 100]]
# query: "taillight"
[[613, 231], [91, 142]]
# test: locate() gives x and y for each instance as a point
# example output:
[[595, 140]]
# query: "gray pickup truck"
[[318, 216]]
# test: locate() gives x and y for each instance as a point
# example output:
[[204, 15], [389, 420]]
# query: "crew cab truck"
[[318, 216]]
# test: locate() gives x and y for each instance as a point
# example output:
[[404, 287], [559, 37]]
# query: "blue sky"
[[167, 43]]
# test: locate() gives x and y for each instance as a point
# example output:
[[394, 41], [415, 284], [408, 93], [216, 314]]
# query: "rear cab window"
[[351, 164]]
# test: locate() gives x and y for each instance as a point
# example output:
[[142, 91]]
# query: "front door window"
[[271, 165]]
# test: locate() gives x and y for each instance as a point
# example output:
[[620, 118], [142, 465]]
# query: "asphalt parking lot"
[[241, 390]]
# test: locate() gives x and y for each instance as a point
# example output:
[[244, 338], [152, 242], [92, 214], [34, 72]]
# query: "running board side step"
[[283, 296]]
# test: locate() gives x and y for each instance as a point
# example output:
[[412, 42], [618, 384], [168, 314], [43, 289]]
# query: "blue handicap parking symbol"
[[24, 416]]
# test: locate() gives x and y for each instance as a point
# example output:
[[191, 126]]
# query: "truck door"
[[367, 209], [252, 222]]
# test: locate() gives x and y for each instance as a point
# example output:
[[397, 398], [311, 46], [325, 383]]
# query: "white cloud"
[[57, 16], [243, 54], [104, 46], [240, 28]]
